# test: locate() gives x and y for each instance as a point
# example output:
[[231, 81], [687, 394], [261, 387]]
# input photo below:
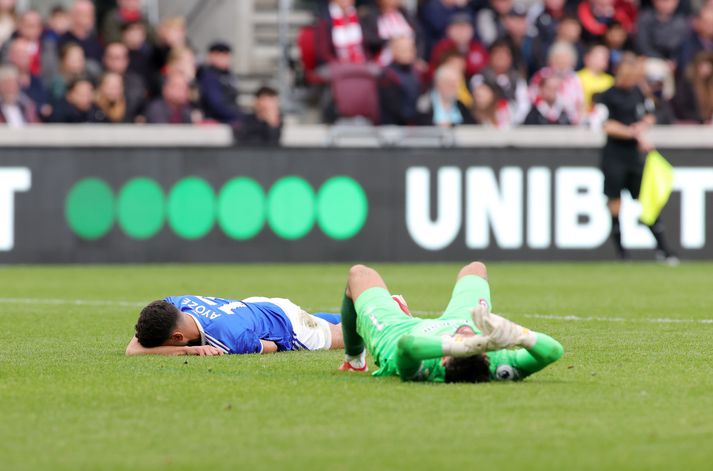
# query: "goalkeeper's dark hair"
[[475, 369], [156, 323]]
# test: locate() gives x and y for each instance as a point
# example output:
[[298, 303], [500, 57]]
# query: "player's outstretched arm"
[[545, 351], [533, 350], [413, 349], [135, 348]]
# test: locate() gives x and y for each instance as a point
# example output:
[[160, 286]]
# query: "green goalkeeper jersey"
[[412, 347], [417, 355], [387, 352]]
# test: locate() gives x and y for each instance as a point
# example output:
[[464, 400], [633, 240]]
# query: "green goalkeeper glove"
[[500, 332]]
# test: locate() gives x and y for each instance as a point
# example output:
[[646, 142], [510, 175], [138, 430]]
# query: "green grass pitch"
[[634, 389]]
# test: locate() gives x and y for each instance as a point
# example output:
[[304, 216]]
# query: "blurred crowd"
[[504, 63], [500, 63], [72, 67]]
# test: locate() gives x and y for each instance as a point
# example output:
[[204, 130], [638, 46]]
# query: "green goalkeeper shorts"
[[467, 293]]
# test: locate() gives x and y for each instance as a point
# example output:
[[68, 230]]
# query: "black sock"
[[657, 230], [616, 236], [353, 343]]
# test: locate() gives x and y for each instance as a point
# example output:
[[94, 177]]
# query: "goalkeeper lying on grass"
[[466, 344]]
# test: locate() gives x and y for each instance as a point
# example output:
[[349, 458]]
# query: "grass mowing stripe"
[[556, 317]]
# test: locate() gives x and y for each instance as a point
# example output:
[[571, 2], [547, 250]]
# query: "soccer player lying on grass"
[[466, 344], [198, 325]]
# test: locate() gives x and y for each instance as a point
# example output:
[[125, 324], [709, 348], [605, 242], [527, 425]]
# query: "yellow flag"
[[656, 186]]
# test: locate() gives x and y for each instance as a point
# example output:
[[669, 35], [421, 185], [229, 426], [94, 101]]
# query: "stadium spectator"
[[699, 39], [548, 107], [661, 31], [31, 85], [141, 55], [489, 108], [16, 108], [693, 102], [218, 86], [72, 65], [435, 16], [568, 31], [8, 19], [455, 60], [400, 84], [460, 36], [596, 15], [545, 18], [384, 21], [503, 76], [172, 35], [183, 60], [618, 41], [57, 24], [339, 36], [440, 106], [562, 59], [78, 104], [264, 126], [490, 21], [110, 100], [43, 53], [127, 11], [116, 60], [174, 106], [81, 31], [594, 77], [659, 88], [516, 35]]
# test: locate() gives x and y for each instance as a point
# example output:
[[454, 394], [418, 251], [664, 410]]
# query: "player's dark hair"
[[156, 323], [475, 369]]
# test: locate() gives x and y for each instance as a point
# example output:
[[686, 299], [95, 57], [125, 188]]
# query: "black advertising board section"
[[293, 205]]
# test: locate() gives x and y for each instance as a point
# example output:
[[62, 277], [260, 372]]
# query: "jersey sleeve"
[[247, 342], [412, 354], [520, 363], [236, 343]]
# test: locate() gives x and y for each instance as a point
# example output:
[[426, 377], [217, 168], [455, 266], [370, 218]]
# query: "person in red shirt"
[[596, 16], [460, 36]]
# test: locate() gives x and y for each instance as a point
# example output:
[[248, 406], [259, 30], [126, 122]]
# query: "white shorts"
[[311, 333]]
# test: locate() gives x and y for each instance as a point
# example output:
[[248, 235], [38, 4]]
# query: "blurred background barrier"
[[349, 134], [192, 204]]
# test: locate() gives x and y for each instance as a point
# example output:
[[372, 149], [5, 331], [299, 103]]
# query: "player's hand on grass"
[[204, 351], [500, 332]]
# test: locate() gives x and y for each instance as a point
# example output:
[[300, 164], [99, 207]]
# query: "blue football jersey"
[[236, 326]]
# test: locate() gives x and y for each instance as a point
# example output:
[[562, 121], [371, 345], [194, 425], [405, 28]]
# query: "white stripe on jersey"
[[214, 340]]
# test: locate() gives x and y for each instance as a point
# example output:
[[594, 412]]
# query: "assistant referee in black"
[[623, 156]]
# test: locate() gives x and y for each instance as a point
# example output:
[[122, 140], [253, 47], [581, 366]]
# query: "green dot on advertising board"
[[89, 209], [191, 208], [291, 208], [342, 208], [141, 208], [241, 208]]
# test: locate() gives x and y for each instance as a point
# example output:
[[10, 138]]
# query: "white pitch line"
[[659, 320], [70, 302], [572, 318], [555, 317]]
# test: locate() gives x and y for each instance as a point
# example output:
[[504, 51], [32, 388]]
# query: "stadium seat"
[[354, 90]]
